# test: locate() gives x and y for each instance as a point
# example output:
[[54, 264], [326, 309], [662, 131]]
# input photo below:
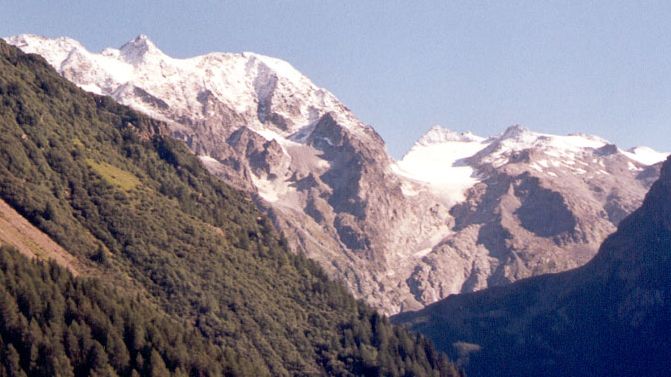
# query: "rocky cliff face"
[[457, 214], [610, 317], [541, 203]]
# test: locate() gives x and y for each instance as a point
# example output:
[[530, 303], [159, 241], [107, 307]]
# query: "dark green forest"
[[55, 325], [191, 279]]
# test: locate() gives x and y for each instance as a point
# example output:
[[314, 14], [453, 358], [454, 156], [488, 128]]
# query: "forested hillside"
[[191, 259], [55, 325]]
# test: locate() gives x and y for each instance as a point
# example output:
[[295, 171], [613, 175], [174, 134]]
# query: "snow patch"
[[440, 166], [408, 189], [645, 155], [423, 252], [207, 159], [92, 88]]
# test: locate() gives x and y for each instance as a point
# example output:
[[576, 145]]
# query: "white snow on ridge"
[[517, 138], [560, 149], [437, 160], [245, 82], [438, 135], [645, 155], [282, 67], [272, 135], [56, 51]]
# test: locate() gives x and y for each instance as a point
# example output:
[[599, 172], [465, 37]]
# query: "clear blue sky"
[[559, 67]]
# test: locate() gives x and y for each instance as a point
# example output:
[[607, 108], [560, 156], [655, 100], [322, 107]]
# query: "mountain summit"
[[259, 89], [139, 50], [438, 135]]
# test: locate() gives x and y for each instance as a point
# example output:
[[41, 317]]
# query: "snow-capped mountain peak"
[[516, 139], [645, 155], [516, 132], [262, 92], [439, 135], [140, 49], [52, 49], [448, 163], [279, 67]]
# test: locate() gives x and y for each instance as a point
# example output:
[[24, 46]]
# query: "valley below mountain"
[[458, 213]]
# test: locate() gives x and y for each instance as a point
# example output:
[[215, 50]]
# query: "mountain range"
[[458, 213], [143, 263], [180, 238], [610, 317]]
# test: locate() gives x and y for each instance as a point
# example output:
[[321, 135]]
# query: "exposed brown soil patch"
[[16, 231]]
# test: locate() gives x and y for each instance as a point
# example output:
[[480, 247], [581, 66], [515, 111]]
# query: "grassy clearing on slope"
[[113, 175]]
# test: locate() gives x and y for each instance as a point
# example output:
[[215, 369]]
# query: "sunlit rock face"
[[581, 322]]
